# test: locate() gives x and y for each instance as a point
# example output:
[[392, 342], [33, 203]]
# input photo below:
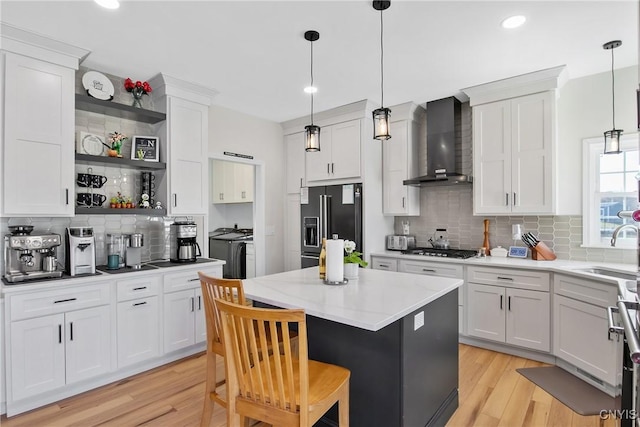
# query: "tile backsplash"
[[452, 208]]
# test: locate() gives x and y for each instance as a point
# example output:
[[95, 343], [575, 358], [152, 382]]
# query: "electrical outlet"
[[418, 321]]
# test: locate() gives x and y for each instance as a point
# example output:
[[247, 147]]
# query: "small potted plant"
[[113, 202], [116, 139], [352, 260]]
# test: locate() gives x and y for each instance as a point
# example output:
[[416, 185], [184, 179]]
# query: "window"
[[610, 186]]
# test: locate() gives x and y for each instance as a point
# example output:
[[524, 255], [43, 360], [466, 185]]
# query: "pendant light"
[[381, 115], [312, 132], [612, 137]]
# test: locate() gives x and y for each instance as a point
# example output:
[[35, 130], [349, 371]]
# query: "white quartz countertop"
[[558, 265], [376, 299]]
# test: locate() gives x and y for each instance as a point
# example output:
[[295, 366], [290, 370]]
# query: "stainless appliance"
[[134, 243], [328, 210], [443, 167], [28, 257], [80, 251], [229, 244], [628, 308], [182, 242], [397, 242], [444, 253]]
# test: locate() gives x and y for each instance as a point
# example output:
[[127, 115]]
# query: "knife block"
[[541, 252]]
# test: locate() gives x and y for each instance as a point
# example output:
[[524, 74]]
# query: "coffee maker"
[[81, 251], [134, 243], [28, 257], [182, 242]]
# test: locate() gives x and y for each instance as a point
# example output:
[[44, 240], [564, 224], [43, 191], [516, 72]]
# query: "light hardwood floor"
[[492, 393]]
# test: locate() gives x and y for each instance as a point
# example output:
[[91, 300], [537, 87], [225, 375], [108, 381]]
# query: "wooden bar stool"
[[280, 388], [228, 290]]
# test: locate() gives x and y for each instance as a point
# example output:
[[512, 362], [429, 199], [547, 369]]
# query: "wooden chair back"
[[226, 289], [271, 388]]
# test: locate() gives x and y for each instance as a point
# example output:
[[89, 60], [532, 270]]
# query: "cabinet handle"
[[501, 297], [221, 196], [506, 199], [244, 194], [327, 168], [403, 202], [139, 303], [175, 200], [66, 190], [140, 288], [193, 308], [505, 278], [71, 331], [331, 167], [428, 270], [65, 300], [193, 280], [509, 303], [199, 303], [300, 182], [383, 265], [514, 199], [59, 334]]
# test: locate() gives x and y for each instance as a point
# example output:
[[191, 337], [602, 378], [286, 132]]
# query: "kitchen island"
[[396, 332]]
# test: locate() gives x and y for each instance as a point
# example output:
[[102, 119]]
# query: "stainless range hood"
[[443, 123]]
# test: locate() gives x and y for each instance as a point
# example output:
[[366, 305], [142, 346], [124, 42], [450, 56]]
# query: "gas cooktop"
[[444, 253]]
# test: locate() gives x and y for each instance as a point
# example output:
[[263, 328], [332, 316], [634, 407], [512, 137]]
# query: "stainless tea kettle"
[[440, 239]]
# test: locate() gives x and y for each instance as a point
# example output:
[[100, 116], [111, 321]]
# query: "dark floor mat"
[[578, 395]]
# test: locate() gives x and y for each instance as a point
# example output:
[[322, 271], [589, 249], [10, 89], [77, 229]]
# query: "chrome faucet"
[[618, 229]]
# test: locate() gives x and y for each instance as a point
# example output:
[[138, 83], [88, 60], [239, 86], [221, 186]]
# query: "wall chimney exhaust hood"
[[443, 136]]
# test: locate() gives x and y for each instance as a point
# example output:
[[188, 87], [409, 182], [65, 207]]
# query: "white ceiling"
[[255, 56]]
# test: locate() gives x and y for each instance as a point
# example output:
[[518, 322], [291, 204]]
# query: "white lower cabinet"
[[138, 318], [509, 315], [580, 326], [51, 351], [184, 313], [389, 264]]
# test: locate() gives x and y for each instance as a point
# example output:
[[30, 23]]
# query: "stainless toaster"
[[396, 242]]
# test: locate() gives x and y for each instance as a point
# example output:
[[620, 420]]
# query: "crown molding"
[[165, 85]]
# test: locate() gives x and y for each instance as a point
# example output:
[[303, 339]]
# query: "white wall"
[[584, 111], [241, 133]]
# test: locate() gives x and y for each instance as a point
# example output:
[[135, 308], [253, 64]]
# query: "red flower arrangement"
[[137, 89]]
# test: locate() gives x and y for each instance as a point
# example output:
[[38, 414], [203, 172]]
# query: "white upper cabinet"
[[231, 182], [339, 155], [295, 158], [38, 116], [400, 162], [186, 144], [514, 144]]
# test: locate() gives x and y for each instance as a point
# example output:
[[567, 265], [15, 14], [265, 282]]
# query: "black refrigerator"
[[329, 210]]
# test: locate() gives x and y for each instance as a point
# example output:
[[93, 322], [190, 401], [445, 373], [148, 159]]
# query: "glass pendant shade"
[[312, 138], [381, 124], [612, 141]]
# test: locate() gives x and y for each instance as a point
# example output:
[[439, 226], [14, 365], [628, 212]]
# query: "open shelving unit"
[[120, 211], [114, 109], [87, 159]]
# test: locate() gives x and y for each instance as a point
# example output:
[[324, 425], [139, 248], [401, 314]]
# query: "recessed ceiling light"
[[514, 21], [310, 89], [108, 4]]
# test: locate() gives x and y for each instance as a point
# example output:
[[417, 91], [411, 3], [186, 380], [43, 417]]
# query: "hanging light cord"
[[381, 63], [613, 92], [312, 83]]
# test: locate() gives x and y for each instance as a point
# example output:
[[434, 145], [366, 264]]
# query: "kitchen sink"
[[601, 271]]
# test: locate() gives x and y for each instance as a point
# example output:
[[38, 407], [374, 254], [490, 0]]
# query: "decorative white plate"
[[98, 85], [90, 144]]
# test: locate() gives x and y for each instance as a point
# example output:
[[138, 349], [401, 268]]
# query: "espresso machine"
[[182, 242], [81, 251], [28, 257]]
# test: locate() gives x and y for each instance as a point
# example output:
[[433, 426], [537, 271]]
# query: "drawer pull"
[[139, 303], [428, 270], [140, 288], [65, 300], [193, 280], [505, 278], [383, 265]]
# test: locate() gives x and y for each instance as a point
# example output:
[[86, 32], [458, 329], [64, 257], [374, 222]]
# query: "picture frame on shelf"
[[145, 148]]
